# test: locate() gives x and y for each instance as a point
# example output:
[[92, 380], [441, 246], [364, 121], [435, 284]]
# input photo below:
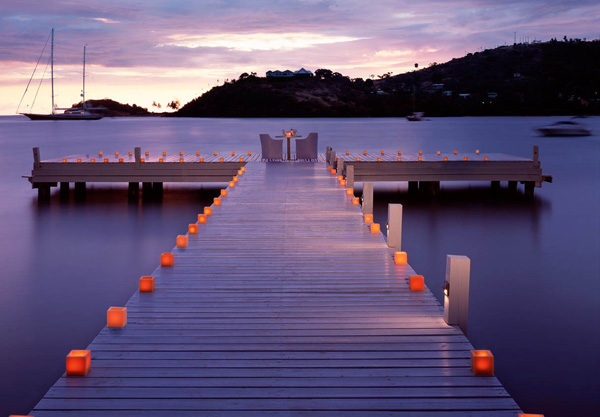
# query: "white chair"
[[271, 148], [307, 148]]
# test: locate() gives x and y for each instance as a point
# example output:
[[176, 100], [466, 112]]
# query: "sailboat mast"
[[83, 92], [52, 67]]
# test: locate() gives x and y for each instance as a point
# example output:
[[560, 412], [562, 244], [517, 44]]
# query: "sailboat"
[[72, 113]]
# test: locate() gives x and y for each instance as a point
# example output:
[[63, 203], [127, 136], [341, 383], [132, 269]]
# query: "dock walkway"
[[284, 304]]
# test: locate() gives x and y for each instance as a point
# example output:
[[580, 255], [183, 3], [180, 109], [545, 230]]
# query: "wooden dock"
[[284, 304]]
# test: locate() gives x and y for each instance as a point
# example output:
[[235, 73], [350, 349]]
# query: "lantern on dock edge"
[[167, 259], [160, 160], [241, 159], [142, 160], [147, 153], [79, 160], [374, 227], [420, 152], [416, 283], [120, 160], [349, 191], [231, 184], [357, 159], [182, 241], [485, 158], [340, 177], [217, 201], [333, 171], [180, 152], [445, 158], [400, 258], [116, 317], [105, 160], [419, 159], [93, 160], [378, 159], [202, 218], [455, 152], [343, 183], [530, 415], [249, 153], [364, 152], [383, 152], [193, 229], [79, 362], [355, 201], [208, 211], [235, 179], [221, 159], [439, 153], [147, 284], [368, 218], [482, 362], [180, 159], [399, 159], [164, 153], [214, 153], [223, 193], [243, 169], [201, 160]]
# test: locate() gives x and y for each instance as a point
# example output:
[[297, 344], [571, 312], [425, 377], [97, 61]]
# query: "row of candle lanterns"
[[420, 152], [78, 362], [482, 361]]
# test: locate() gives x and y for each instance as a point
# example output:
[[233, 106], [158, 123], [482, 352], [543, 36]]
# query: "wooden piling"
[[456, 291], [394, 232], [349, 176], [367, 198]]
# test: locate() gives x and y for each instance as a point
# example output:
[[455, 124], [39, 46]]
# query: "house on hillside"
[[289, 74]]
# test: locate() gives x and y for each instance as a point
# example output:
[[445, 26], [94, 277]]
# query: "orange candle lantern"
[[180, 153], [105, 160], [235, 179], [116, 317], [180, 159], [160, 160], [420, 159], [147, 153], [79, 160], [378, 159], [375, 228], [167, 259], [416, 283], [164, 153], [100, 153], [116, 153], [142, 160], [400, 258], [197, 153], [214, 153], [201, 159], [329, 168], [340, 177], [383, 152], [482, 362], [217, 201], [79, 362], [347, 152], [182, 241], [231, 184], [208, 211], [357, 159], [420, 152], [349, 191], [223, 193], [364, 152], [477, 152], [202, 218], [464, 158], [249, 153], [333, 171], [232, 153], [241, 159], [399, 152], [530, 415], [485, 158], [243, 169], [343, 183], [240, 172], [221, 159], [193, 228], [120, 160], [445, 158], [147, 284], [368, 218], [455, 152], [93, 160], [355, 201]]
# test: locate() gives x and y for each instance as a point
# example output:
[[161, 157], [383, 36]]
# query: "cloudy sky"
[[140, 51]]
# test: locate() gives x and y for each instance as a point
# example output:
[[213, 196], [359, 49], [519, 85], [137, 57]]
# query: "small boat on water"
[[564, 128], [71, 113], [415, 116]]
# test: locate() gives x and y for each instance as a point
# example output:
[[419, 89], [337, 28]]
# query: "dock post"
[[64, 190], [367, 198], [350, 176], [138, 156], [495, 186], [80, 190], [529, 188], [394, 232], [435, 187], [413, 187], [327, 153], [456, 291], [332, 159], [36, 158], [340, 166], [147, 190], [512, 187], [134, 191], [157, 190], [536, 156], [43, 191]]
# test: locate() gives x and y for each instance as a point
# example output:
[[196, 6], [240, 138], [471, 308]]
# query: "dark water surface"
[[535, 266]]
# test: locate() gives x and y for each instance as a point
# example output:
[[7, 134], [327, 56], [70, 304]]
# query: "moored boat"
[[564, 128]]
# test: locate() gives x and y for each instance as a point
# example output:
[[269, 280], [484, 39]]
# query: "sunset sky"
[[140, 51]]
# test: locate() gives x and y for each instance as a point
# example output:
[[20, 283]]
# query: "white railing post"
[[367, 198], [456, 291], [394, 232]]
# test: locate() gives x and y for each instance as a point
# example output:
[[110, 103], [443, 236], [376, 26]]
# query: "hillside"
[[556, 77], [111, 108]]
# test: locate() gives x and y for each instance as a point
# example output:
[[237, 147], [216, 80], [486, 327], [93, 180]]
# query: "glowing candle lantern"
[[116, 317], [217, 201], [240, 172], [208, 211], [201, 159], [231, 184], [464, 158], [147, 284], [164, 153], [214, 153], [100, 153], [364, 152], [167, 259], [78, 159], [182, 241], [420, 159], [340, 177], [378, 159], [197, 153], [420, 152], [383, 152], [329, 168], [202, 218], [180, 159], [120, 159], [368, 218], [93, 160], [232, 153], [485, 158], [399, 159], [399, 152], [355, 201], [241, 159], [455, 152], [375, 228], [482, 362], [347, 152], [343, 183], [160, 160], [116, 153], [79, 362], [477, 151], [64, 160], [445, 158], [416, 283], [333, 172], [147, 153], [223, 193], [243, 169], [180, 153], [249, 153], [142, 160], [349, 191], [221, 159], [438, 152], [357, 159], [400, 258], [105, 159], [235, 179], [193, 228], [530, 415], [130, 153]]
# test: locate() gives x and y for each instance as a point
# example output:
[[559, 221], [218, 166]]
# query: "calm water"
[[535, 274]]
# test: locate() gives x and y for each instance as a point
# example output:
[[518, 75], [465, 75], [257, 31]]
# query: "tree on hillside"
[[175, 105]]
